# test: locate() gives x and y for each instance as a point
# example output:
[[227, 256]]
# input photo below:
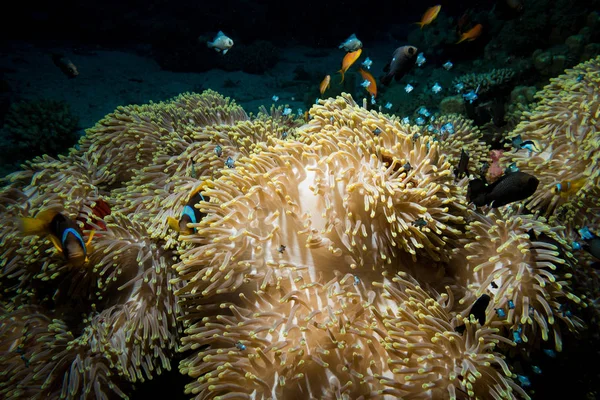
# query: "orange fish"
[[429, 16], [372, 88], [471, 34], [348, 60], [325, 84]]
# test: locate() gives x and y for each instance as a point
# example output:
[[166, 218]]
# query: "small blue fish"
[[356, 280], [500, 312], [421, 59], [447, 128], [436, 88], [367, 63], [240, 346], [419, 222], [424, 112], [408, 88], [218, 150], [550, 353], [284, 135], [585, 233], [579, 77], [365, 83], [286, 111], [524, 380], [281, 249], [576, 246], [406, 120], [275, 98], [459, 87], [229, 163], [448, 65], [536, 369], [517, 335], [511, 305], [470, 97], [420, 121], [407, 167], [377, 132], [388, 105], [415, 137]]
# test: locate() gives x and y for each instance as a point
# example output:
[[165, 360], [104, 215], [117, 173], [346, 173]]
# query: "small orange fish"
[[372, 88], [325, 84], [471, 34], [429, 16], [349, 59]]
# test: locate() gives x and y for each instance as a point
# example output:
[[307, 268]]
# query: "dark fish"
[[189, 215], [509, 188], [478, 311], [463, 165], [65, 65], [403, 59]]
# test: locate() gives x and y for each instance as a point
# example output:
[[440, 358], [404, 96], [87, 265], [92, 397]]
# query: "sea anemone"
[[520, 261], [341, 196], [564, 129], [343, 339]]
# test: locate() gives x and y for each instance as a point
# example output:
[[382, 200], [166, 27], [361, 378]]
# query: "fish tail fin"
[[341, 71], [173, 224], [462, 39], [38, 225], [210, 44]]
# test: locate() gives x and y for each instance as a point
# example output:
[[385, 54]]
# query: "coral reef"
[[34, 128], [325, 262]]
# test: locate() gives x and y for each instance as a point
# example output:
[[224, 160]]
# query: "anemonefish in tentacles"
[[64, 234], [189, 215]]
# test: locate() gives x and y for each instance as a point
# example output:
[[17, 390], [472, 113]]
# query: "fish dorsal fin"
[[353, 36], [220, 33]]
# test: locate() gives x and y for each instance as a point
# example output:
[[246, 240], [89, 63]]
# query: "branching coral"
[[564, 127], [496, 79]]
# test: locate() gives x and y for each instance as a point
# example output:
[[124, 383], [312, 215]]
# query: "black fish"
[[463, 165], [509, 188], [478, 311], [403, 59]]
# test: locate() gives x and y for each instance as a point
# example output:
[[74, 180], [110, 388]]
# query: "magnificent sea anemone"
[[315, 269]]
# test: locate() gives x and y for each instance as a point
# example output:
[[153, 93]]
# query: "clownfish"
[[568, 188], [189, 215], [64, 234]]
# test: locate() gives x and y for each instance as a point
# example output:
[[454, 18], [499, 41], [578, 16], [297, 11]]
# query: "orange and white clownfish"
[[64, 234], [189, 215]]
